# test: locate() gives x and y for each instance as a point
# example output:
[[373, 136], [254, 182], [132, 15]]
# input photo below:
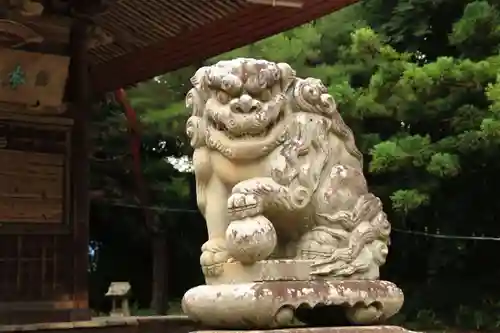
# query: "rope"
[[408, 232]]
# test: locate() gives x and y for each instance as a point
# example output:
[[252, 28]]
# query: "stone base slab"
[[349, 329], [278, 304], [267, 270]]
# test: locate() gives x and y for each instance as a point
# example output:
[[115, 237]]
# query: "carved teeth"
[[255, 133]]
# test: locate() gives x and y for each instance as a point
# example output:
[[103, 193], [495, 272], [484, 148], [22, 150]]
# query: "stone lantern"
[[119, 293]]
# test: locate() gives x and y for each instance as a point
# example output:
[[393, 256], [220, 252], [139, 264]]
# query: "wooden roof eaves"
[[248, 26]]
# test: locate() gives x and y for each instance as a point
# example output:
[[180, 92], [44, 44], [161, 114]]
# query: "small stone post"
[[119, 293]]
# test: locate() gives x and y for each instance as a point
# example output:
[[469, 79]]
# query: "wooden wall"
[[37, 229], [43, 192]]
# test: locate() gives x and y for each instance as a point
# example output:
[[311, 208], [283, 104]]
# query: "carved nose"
[[244, 104]]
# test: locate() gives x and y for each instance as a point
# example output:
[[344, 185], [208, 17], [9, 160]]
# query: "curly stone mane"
[[315, 118]]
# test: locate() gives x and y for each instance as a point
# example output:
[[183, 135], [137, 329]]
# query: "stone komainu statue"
[[278, 173]]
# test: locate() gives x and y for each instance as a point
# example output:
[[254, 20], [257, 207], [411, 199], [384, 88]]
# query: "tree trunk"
[[192, 192], [159, 299]]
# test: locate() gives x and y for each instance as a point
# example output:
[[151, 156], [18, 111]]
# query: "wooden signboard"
[[35, 80], [33, 172]]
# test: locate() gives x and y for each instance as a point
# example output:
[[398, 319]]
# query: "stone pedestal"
[[357, 329], [277, 294], [269, 270]]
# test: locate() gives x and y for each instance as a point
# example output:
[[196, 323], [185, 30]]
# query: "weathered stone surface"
[[250, 240], [265, 270], [271, 146], [359, 329], [120, 289], [284, 303], [294, 235]]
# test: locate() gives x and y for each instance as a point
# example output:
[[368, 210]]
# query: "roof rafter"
[[280, 3], [248, 25]]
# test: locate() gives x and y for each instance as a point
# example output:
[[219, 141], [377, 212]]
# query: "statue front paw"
[[337, 264], [213, 255], [243, 205]]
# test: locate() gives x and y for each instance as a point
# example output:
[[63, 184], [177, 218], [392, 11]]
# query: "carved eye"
[[275, 73], [223, 97]]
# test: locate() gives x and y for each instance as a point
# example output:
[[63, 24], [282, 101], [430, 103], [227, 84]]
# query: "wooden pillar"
[[80, 108]]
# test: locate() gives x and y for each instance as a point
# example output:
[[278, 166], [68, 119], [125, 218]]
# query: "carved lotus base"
[[275, 304]]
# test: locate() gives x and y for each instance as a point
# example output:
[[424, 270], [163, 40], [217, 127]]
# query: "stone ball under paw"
[[251, 239]]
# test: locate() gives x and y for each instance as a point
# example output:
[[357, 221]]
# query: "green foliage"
[[161, 117], [491, 125], [443, 165], [416, 25], [404, 201], [478, 31], [436, 110]]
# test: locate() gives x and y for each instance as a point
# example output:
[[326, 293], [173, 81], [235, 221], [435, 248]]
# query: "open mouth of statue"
[[248, 130]]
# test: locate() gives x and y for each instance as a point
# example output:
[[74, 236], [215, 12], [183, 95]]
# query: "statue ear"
[[199, 79], [287, 75]]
